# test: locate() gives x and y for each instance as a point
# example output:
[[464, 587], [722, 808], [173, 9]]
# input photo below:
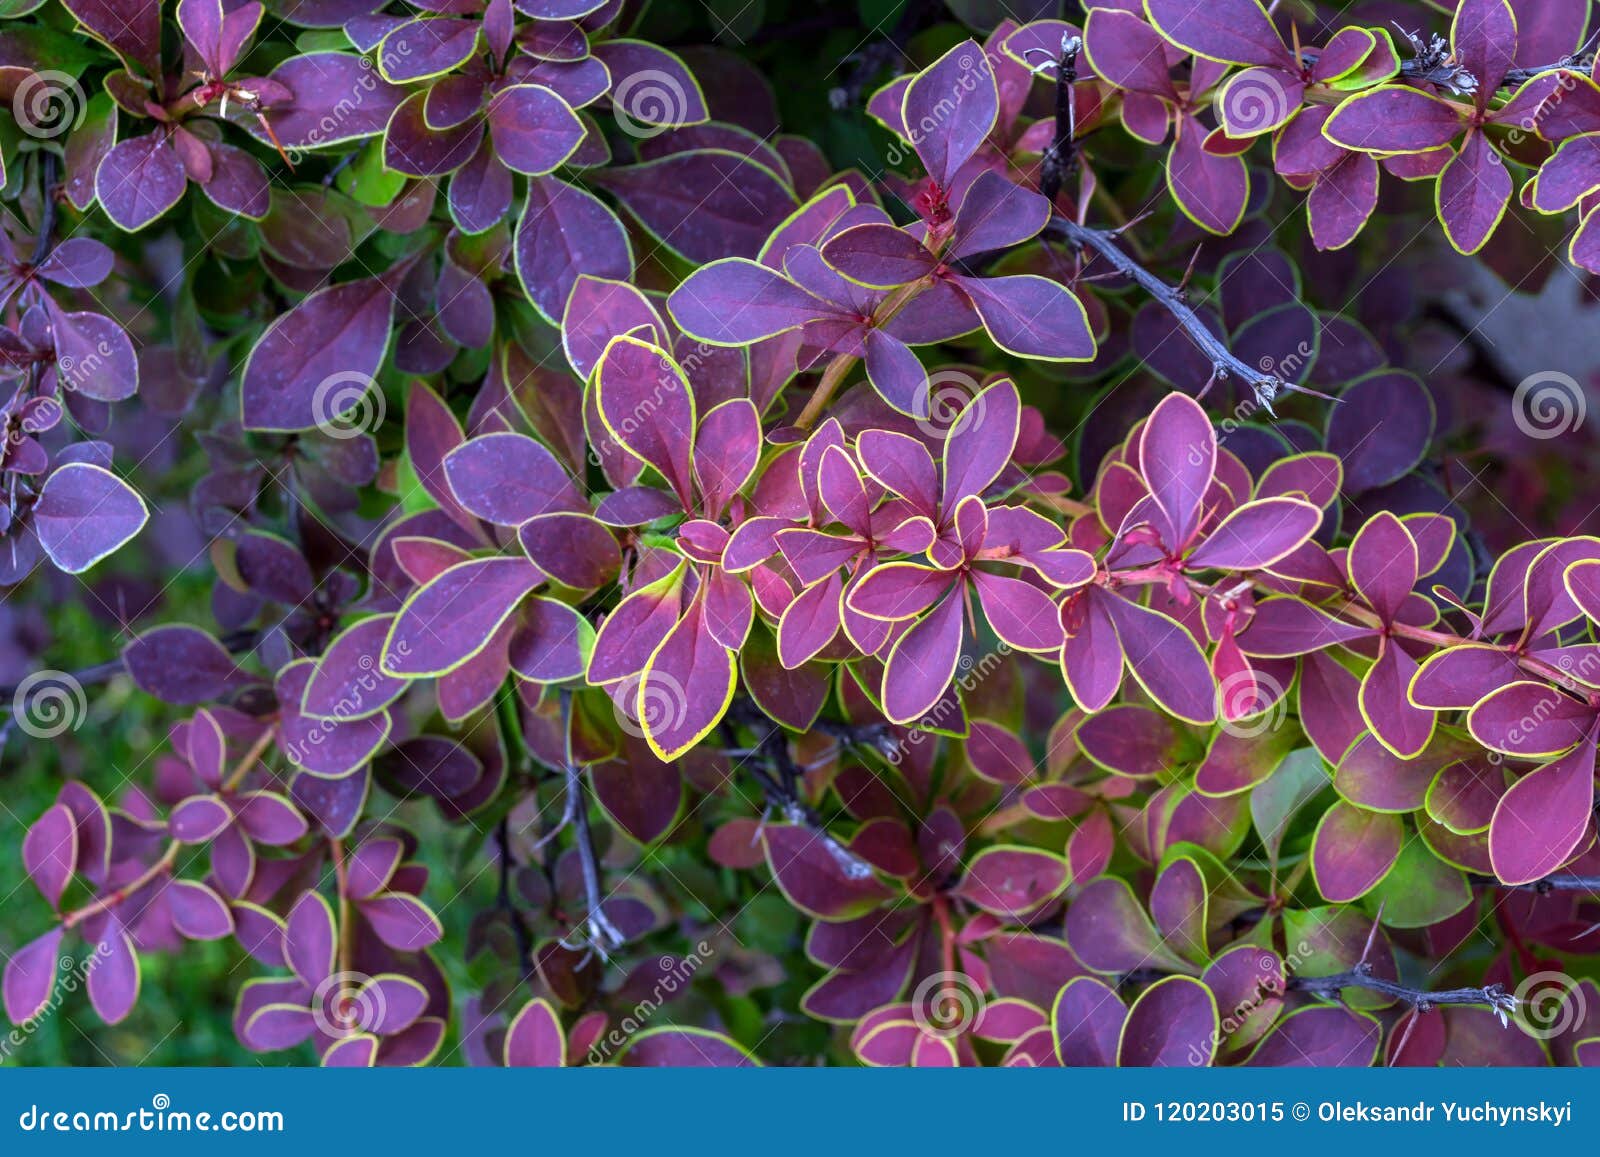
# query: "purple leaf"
[[1393, 119], [534, 1038], [1324, 1036], [1544, 818], [336, 97], [736, 301], [50, 852], [951, 106], [401, 921], [113, 978], [1031, 316], [30, 976], [878, 255], [316, 363], [1257, 534], [1353, 850], [198, 912], [703, 204], [426, 47], [347, 682], [86, 513], [534, 130], [1473, 191], [650, 87], [1232, 31], [1129, 54], [509, 478], [1172, 1024], [1530, 720], [1013, 882], [1211, 190], [1484, 37], [1166, 661], [181, 665], [922, 663], [565, 232], [139, 180], [684, 1048], [1086, 1023], [647, 407], [1383, 564], [453, 617], [574, 549], [687, 685]]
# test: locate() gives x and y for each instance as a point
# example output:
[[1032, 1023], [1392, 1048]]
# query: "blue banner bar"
[[832, 1111]]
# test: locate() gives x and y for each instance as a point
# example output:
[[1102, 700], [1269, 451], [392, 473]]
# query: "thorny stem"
[[1361, 976], [111, 899], [781, 785], [1545, 886], [1058, 158], [603, 934], [1266, 386]]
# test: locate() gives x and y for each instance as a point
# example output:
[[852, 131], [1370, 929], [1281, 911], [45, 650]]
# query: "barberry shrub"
[[988, 579]]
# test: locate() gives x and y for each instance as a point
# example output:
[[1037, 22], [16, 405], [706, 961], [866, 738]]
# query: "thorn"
[[1372, 936], [1121, 229]]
